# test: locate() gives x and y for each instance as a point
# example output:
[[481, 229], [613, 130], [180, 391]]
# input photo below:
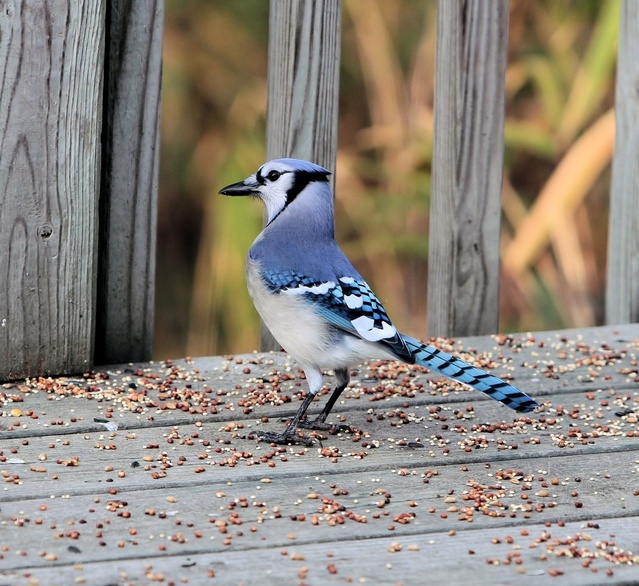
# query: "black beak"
[[247, 187]]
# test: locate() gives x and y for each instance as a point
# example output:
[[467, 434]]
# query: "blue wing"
[[347, 303]]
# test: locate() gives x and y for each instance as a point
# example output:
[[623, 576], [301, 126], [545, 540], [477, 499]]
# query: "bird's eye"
[[273, 175]]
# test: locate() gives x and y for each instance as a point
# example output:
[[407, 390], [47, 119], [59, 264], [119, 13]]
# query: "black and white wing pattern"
[[347, 303]]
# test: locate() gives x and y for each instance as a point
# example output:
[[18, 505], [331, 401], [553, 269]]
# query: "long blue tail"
[[455, 368]]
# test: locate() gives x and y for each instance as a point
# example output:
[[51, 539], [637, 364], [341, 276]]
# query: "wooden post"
[[463, 274], [128, 200], [622, 282], [51, 64], [303, 85]]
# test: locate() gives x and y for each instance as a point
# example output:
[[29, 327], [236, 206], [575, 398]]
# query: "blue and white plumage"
[[316, 304]]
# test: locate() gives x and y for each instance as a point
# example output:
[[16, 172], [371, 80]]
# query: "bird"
[[318, 307]]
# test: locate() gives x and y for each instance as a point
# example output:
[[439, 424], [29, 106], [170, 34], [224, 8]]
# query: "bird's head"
[[279, 182]]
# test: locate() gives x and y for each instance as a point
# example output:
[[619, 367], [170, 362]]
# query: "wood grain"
[[128, 203], [303, 86], [429, 559], [463, 279], [622, 282], [51, 56], [178, 495]]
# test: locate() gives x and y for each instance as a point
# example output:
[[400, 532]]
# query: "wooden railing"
[[468, 146], [79, 102], [622, 282]]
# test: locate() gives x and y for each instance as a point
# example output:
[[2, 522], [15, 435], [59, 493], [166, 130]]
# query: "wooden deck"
[[438, 486]]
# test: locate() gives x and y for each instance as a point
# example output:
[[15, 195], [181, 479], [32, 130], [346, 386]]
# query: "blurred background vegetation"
[[559, 138]]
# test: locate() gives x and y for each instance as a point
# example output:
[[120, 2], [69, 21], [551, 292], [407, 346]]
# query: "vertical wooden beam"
[[128, 200], [622, 282], [51, 63], [303, 85], [463, 275]]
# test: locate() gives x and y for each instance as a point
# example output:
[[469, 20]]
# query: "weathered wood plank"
[[291, 515], [506, 495], [188, 457], [128, 202], [303, 86], [419, 559], [562, 366], [51, 57], [583, 421], [192, 489], [463, 279], [303, 83], [203, 450], [622, 282]]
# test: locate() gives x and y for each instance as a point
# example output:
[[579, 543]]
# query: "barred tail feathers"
[[456, 369]]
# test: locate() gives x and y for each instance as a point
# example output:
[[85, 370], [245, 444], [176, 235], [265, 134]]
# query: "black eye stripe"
[[301, 180]]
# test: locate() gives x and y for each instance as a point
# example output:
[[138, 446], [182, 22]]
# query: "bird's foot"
[[286, 438], [318, 425]]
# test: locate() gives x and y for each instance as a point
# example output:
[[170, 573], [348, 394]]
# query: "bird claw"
[[323, 426], [286, 438]]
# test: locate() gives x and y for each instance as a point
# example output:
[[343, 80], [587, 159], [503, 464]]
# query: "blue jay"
[[318, 307]]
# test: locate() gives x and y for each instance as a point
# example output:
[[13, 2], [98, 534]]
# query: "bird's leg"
[[319, 422], [289, 435]]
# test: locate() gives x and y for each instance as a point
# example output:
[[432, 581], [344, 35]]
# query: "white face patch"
[[274, 195]]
